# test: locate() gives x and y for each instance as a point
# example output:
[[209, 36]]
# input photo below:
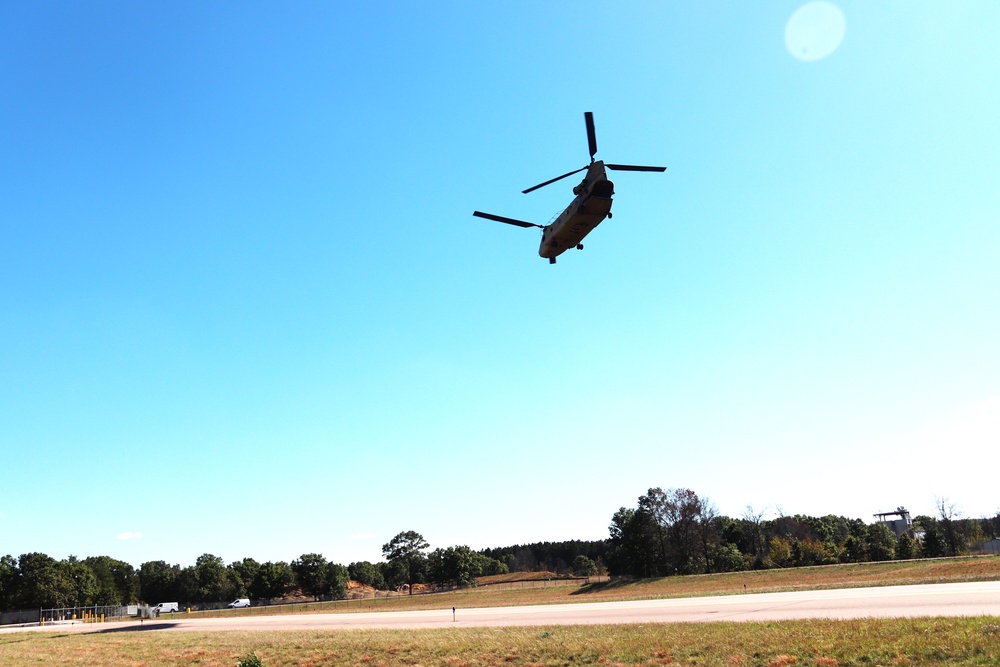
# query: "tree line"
[[36, 580], [677, 532], [667, 533]]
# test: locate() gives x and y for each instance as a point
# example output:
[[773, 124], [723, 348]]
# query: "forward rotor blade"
[[588, 116], [557, 178], [632, 167], [500, 218]]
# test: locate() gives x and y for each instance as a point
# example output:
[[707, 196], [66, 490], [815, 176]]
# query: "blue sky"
[[245, 309]]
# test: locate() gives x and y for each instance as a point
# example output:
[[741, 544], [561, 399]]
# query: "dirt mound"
[[518, 576], [358, 586], [294, 594]]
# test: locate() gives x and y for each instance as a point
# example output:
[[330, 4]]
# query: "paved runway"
[[962, 599]]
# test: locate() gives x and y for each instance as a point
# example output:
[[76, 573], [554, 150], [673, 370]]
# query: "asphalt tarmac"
[[961, 599]]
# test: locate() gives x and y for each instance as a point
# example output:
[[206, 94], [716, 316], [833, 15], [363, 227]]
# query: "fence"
[[19, 617], [92, 614], [99, 613], [542, 583]]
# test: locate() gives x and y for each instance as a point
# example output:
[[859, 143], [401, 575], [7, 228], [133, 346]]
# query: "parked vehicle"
[[238, 603], [165, 607]]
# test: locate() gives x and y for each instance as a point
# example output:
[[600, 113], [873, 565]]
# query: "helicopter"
[[587, 210]]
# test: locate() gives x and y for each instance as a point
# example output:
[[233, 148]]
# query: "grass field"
[[822, 643], [731, 583], [935, 641]]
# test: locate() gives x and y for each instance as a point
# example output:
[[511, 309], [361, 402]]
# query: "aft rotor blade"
[[632, 167], [557, 178], [500, 218], [588, 116]]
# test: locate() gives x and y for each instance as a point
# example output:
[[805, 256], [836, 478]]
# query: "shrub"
[[252, 660], [729, 559]]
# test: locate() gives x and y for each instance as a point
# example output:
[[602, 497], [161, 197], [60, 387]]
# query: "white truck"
[[239, 603], [165, 607]]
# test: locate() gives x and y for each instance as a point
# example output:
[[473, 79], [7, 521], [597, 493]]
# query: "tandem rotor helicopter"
[[587, 210]]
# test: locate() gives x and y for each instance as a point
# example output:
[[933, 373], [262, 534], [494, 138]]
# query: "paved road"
[[963, 599]]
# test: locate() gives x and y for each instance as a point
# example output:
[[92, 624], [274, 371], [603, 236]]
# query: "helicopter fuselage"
[[588, 209], [591, 204]]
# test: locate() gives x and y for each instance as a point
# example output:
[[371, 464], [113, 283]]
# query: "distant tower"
[[900, 525]]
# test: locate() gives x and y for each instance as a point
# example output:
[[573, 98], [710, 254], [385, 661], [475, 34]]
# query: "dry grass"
[[867, 643], [892, 573], [730, 583], [959, 641], [514, 577]]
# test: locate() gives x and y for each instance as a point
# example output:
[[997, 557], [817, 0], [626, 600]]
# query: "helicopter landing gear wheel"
[[610, 215], [579, 246], [552, 260]]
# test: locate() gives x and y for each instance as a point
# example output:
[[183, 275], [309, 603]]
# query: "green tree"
[[212, 581], [950, 523], [972, 532], [654, 506], [584, 566], [833, 531], [117, 582], [394, 574], [779, 551], [494, 566], [271, 580], [932, 544], [310, 574], [855, 550], [158, 582], [728, 559], [43, 583], [406, 549], [676, 515], [881, 542], [335, 575], [635, 544], [811, 552], [455, 565], [85, 584], [906, 547], [708, 528], [754, 541], [990, 526], [742, 534], [366, 574], [188, 589], [9, 576], [557, 556], [242, 573]]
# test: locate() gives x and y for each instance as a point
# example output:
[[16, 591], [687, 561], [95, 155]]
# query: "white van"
[[164, 607], [238, 603]]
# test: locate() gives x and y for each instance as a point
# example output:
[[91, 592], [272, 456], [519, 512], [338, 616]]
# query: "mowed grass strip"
[[934, 641]]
